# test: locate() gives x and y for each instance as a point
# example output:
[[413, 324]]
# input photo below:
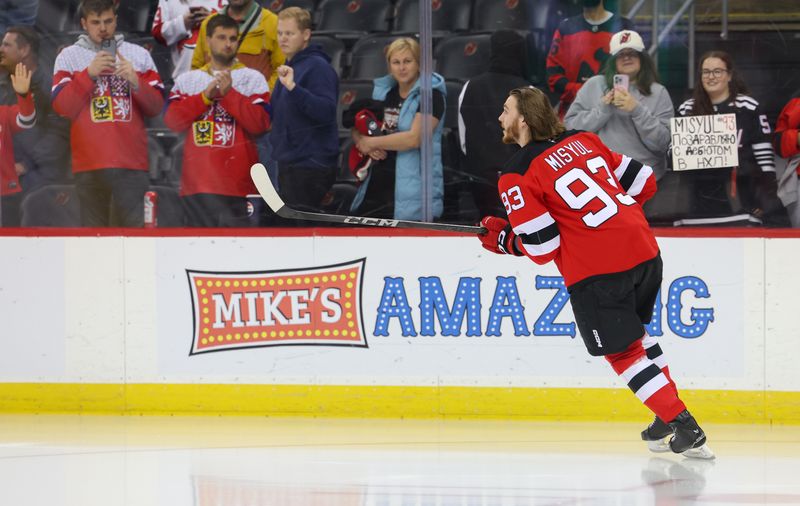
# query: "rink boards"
[[367, 325]]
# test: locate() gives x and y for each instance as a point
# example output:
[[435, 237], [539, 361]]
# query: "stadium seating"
[[351, 19], [446, 16], [349, 92], [496, 14], [368, 57], [53, 205], [462, 56], [334, 48], [135, 16], [276, 5]]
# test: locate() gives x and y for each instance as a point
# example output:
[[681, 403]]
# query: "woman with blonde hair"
[[393, 186]]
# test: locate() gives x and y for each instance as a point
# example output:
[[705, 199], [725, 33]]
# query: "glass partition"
[[146, 114]]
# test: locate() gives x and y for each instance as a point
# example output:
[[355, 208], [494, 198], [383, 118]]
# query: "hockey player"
[[572, 200]]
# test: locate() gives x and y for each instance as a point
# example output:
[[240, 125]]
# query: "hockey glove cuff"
[[499, 237]]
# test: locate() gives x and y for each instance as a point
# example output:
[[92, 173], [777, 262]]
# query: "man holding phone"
[[625, 105], [106, 86], [177, 25]]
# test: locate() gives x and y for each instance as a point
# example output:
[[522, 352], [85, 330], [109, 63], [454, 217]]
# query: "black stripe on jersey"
[[654, 351], [645, 375], [630, 174], [548, 233]]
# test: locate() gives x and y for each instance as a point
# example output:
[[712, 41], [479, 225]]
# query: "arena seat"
[[496, 14], [334, 48], [54, 205], [353, 18], [368, 57], [446, 16], [462, 56]]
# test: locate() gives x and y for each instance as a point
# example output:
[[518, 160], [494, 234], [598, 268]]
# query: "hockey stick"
[[261, 179]]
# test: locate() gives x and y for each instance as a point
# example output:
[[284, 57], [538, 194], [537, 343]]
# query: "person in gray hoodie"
[[632, 119]]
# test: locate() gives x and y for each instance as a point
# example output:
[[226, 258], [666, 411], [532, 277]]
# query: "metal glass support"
[[426, 108]]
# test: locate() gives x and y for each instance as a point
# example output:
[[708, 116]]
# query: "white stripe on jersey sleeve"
[[641, 177], [533, 227]]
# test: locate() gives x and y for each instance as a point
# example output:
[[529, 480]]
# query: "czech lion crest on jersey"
[[216, 128], [111, 99]]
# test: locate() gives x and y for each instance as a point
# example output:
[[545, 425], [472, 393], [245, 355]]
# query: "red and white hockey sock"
[[647, 381], [654, 353]]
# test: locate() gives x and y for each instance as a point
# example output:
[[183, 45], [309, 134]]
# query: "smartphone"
[[109, 46], [621, 82]]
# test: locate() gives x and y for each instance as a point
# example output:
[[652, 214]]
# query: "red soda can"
[[150, 209]]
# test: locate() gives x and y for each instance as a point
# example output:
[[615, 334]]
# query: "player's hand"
[[225, 82], [103, 63], [21, 79], [286, 76], [499, 237], [624, 100]]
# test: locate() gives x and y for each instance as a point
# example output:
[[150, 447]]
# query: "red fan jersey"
[[575, 201]]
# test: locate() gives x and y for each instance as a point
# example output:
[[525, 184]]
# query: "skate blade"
[[701, 452], [659, 446]]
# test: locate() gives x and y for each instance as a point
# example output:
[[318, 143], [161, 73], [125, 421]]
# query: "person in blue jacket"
[[304, 138], [393, 187]]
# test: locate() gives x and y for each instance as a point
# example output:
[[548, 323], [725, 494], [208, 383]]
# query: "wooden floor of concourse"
[[72, 460]]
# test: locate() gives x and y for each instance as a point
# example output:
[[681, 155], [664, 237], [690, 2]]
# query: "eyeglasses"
[[713, 72], [627, 54]]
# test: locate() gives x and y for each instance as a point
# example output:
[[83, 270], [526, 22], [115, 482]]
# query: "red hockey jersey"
[[575, 201], [219, 147], [13, 118]]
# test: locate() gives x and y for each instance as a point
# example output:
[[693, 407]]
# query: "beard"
[[224, 59], [510, 135]]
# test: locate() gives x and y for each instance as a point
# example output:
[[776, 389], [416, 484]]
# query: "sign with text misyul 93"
[[704, 142]]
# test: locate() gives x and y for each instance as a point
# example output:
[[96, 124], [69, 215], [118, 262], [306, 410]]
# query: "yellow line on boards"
[[578, 404]]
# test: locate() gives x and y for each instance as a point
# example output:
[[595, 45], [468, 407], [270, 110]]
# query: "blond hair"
[[403, 44], [534, 107], [301, 16]]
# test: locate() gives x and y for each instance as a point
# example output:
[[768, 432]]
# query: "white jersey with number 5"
[[574, 201]]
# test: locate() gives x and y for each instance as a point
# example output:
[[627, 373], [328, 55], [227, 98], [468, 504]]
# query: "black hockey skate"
[[689, 439], [657, 436]]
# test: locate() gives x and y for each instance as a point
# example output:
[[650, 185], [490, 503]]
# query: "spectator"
[[787, 142], [258, 49], [258, 38], [714, 192], [177, 24], [305, 137], [14, 118], [634, 121], [106, 97], [222, 106], [17, 13], [393, 187], [479, 132], [41, 151], [579, 49]]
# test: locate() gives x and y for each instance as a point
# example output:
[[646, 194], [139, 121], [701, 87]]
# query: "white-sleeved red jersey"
[[107, 114], [13, 118], [219, 147], [575, 201], [170, 30]]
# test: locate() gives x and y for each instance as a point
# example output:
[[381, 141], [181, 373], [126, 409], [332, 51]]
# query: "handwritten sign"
[[704, 142]]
